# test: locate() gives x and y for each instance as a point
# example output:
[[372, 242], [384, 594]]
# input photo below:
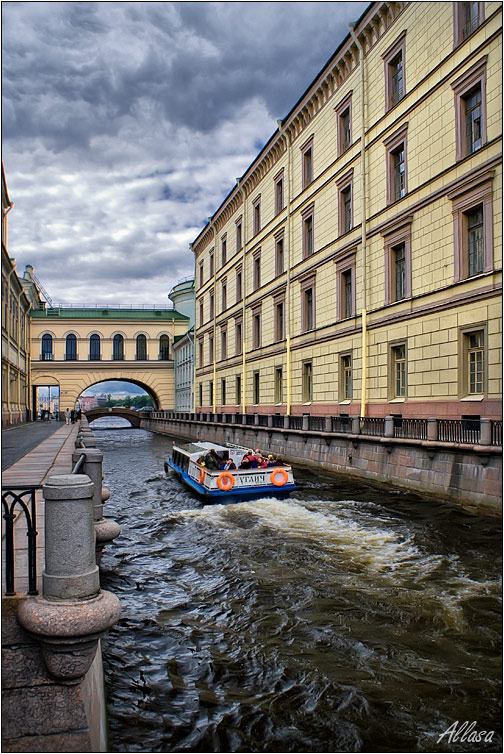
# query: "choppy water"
[[343, 619]]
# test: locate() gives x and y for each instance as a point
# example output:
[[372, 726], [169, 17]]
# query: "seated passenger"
[[271, 460], [246, 464], [210, 461], [228, 464]]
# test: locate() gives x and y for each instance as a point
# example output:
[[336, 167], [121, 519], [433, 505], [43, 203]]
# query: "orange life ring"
[[279, 482], [201, 478], [225, 481]]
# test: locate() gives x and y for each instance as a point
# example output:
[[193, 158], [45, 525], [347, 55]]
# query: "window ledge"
[[345, 403], [398, 400], [469, 398]]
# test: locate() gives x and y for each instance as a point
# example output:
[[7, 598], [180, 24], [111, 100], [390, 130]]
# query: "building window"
[[345, 277], [279, 385], [279, 254], [467, 18], [211, 264], [279, 319], [212, 305], [141, 348], [164, 348], [200, 394], [201, 313], [257, 269], [344, 123], [238, 234], [308, 304], [47, 348], [223, 250], [346, 381], [394, 60], [473, 235], [223, 343], [223, 391], [210, 349], [279, 193], [256, 385], [398, 370], [345, 202], [308, 236], [238, 338], [256, 329], [395, 147], [200, 352], [224, 295], [210, 392], [239, 293], [307, 157], [257, 215], [71, 348], [397, 245], [201, 274], [238, 395], [307, 382], [94, 348], [470, 110], [473, 369], [118, 348]]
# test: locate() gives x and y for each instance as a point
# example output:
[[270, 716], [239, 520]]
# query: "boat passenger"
[[211, 461], [263, 463], [246, 464], [228, 464], [271, 461], [279, 462]]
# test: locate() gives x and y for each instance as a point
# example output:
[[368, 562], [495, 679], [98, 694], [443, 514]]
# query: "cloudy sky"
[[125, 124]]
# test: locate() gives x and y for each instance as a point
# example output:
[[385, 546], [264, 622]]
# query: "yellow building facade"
[[74, 348], [355, 268]]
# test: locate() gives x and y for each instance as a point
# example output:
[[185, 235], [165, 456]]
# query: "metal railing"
[[411, 429], [496, 432], [316, 423], [295, 422], [26, 497], [341, 424], [372, 426], [458, 430], [277, 422]]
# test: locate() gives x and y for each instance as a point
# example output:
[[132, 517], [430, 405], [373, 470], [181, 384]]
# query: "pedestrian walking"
[[68, 416]]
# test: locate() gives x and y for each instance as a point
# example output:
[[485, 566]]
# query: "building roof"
[[112, 313]]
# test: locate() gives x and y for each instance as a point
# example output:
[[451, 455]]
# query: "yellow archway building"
[[74, 348]]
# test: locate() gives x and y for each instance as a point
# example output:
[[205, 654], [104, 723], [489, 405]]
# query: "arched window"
[[47, 352], [164, 348], [71, 348], [118, 353], [141, 348], [94, 348]]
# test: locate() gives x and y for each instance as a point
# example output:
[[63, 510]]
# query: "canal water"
[[344, 619]]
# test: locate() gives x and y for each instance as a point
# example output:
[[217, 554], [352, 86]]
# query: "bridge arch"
[[133, 417], [147, 388]]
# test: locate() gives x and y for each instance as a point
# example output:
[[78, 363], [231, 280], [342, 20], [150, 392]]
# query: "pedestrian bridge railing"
[[15, 502]]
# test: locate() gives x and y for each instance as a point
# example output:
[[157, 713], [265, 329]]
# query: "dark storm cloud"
[[125, 125]]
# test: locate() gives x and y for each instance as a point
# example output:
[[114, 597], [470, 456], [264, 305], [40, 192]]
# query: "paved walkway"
[[17, 441]]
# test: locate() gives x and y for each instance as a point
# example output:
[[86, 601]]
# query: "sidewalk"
[[18, 440]]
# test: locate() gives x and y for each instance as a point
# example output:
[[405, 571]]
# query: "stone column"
[[73, 612], [286, 421], [355, 425], [306, 422], [256, 419], [328, 424], [106, 529], [432, 429], [270, 420], [389, 426], [485, 431]]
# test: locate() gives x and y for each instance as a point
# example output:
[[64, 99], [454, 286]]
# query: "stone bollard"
[[106, 529], [328, 424], [256, 419], [73, 612], [286, 421], [270, 420], [432, 429], [355, 425], [306, 422], [389, 426], [485, 431]]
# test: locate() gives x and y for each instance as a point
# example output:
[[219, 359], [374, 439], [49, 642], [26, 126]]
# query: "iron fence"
[[263, 420], [459, 430], [496, 427], [277, 422], [295, 422], [316, 423], [372, 426], [341, 424], [26, 498], [411, 429]]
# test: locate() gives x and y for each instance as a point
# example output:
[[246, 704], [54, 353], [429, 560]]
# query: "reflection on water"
[[343, 619]]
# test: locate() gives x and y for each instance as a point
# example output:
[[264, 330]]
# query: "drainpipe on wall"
[[364, 342], [289, 261], [8, 327], [214, 371], [244, 278]]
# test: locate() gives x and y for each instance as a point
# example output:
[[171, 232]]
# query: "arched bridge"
[[133, 417]]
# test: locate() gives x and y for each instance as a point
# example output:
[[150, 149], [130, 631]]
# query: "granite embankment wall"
[[469, 475]]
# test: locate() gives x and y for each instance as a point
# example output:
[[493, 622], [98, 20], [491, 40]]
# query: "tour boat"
[[233, 485]]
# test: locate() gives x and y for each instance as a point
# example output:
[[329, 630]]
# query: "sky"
[[125, 125]]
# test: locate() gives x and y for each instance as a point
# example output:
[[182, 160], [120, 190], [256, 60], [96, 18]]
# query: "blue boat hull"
[[234, 495]]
